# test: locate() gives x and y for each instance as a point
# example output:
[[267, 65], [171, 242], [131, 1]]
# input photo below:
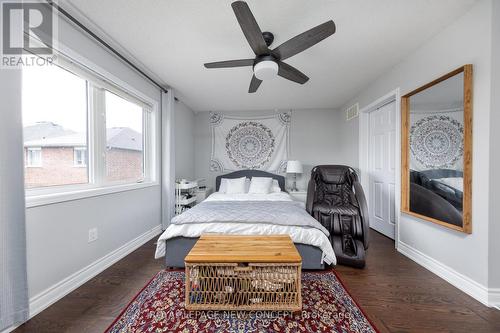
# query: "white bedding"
[[279, 196], [299, 234]]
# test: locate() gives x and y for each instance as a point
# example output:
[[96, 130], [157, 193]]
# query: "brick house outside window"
[[56, 156]]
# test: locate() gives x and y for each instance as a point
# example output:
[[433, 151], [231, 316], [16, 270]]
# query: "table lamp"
[[294, 167]]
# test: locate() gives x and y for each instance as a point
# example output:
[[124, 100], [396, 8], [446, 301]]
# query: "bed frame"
[[177, 248], [250, 174]]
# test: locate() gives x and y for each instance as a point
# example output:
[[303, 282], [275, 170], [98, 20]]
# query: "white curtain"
[[13, 276], [168, 156]]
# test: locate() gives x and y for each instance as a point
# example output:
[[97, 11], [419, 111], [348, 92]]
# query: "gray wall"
[[184, 141], [316, 137], [467, 40], [494, 232], [57, 233], [348, 140]]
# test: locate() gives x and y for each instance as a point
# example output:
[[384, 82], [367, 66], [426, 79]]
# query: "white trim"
[[82, 193], [460, 281], [96, 134], [494, 297], [363, 144], [150, 143], [52, 294], [10, 329]]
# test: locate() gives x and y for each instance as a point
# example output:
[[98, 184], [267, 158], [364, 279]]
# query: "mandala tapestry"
[[436, 142], [251, 143]]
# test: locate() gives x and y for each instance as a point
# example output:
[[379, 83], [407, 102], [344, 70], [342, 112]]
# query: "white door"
[[382, 169]]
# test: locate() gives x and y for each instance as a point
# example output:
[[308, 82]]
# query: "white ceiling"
[[173, 38]]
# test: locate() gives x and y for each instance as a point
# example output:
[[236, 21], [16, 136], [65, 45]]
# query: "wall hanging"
[[249, 143]]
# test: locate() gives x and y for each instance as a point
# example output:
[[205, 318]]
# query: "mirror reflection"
[[436, 151]]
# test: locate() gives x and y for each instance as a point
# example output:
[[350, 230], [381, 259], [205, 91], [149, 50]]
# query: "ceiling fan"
[[269, 63]]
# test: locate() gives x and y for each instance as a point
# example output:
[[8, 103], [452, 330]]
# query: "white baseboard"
[[52, 294], [494, 297], [10, 329], [460, 281]]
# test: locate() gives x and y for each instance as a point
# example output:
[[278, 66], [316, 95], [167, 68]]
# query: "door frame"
[[364, 150]]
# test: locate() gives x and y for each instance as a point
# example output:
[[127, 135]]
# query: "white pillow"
[[275, 187], [260, 185], [236, 186], [223, 185]]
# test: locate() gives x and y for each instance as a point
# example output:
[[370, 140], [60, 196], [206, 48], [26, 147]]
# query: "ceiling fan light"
[[265, 70]]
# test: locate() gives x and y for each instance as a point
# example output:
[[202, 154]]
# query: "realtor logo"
[[27, 36]]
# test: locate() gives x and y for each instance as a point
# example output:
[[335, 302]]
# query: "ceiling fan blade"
[[250, 27], [254, 84], [230, 63], [291, 73], [304, 41]]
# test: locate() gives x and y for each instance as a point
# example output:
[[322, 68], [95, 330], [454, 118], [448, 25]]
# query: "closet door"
[[382, 169]]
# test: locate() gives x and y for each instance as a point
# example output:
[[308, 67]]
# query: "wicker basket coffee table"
[[232, 272]]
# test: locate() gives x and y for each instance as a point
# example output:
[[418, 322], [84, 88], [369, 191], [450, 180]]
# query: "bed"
[[250, 214]]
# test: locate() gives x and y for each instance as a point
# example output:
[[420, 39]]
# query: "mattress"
[[250, 214]]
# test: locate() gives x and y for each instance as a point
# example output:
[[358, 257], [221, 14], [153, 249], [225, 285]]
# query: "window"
[[55, 120], [80, 157], [33, 157], [91, 133], [124, 139]]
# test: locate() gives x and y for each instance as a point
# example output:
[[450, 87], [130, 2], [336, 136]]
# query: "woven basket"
[[253, 286]]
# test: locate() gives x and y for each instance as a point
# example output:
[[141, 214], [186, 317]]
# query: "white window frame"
[[146, 144], [77, 150], [29, 161], [98, 80]]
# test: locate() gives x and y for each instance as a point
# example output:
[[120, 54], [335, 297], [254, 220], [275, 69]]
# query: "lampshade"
[[293, 167], [265, 70]]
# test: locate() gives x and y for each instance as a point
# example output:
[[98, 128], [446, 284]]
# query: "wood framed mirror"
[[436, 153]]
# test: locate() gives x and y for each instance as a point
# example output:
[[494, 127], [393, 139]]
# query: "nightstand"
[[300, 195], [202, 193]]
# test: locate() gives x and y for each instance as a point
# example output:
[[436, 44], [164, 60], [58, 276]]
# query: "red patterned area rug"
[[159, 307]]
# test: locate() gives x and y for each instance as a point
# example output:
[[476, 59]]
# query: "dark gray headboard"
[[250, 174]]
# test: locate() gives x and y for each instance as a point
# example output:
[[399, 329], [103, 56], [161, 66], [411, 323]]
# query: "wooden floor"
[[397, 294]]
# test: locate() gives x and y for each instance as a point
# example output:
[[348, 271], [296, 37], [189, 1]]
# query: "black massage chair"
[[336, 199]]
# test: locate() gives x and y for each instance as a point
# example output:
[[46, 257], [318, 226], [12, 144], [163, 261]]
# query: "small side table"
[[300, 195]]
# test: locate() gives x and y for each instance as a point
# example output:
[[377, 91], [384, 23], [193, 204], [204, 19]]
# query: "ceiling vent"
[[352, 111]]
